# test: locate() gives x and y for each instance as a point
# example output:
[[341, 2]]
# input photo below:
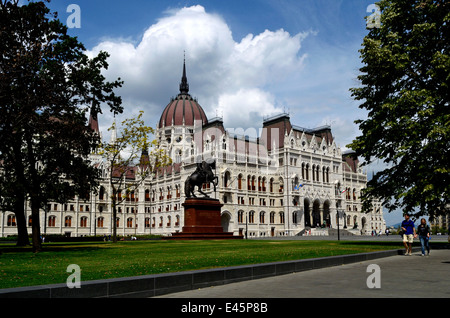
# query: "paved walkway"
[[400, 276]]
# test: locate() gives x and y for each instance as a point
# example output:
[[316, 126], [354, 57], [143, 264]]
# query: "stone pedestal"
[[202, 221]]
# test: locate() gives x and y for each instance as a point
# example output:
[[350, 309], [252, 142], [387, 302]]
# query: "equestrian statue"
[[203, 174]]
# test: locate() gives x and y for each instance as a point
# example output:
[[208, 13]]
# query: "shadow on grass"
[[5, 249]]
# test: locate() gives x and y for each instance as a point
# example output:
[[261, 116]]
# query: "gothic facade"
[[288, 181]]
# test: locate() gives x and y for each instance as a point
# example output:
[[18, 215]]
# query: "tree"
[[130, 159], [48, 85], [405, 89]]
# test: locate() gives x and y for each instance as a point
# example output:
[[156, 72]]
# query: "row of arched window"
[[160, 194], [260, 184], [51, 221], [254, 183], [316, 172], [274, 217]]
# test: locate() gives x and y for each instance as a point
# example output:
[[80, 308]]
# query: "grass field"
[[101, 260]]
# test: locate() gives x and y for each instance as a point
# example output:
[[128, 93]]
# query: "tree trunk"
[[19, 197], [114, 210], [22, 232], [36, 228]]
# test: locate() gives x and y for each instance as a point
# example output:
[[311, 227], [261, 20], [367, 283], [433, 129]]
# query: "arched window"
[[177, 156], [129, 222], [240, 216], [51, 221], [83, 221], [282, 217], [295, 184], [68, 221], [240, 182], [251, 217], [11, 220], [226, 179], [281, 185], [169, 192], [324, 177], [261, 217], [101, 194], [272, 217]]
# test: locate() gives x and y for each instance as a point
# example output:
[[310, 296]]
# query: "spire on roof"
[[93, 120], [184, 86]]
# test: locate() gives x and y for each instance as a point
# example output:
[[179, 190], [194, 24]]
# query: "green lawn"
[[101, 260]]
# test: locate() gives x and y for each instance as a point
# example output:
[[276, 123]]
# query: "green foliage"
[[131, 157], [405, 89], [47, 86]]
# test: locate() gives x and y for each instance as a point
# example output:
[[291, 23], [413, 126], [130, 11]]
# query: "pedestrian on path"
[[409, 233], [423, 230]]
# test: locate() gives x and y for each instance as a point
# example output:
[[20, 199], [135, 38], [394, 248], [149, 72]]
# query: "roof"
[[182, 110]]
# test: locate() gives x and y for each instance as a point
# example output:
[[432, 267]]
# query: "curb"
[[160, 284]]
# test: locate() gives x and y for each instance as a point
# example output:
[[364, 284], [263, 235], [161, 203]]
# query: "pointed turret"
[[184, 86], [144, 161], [93, 121]]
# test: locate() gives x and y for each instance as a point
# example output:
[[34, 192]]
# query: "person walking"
[[423, 230], [409, 233]]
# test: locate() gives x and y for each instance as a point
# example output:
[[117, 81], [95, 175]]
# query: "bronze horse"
[[203, 174]]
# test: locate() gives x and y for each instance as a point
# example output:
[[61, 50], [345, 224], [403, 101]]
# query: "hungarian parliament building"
[[288, 181]]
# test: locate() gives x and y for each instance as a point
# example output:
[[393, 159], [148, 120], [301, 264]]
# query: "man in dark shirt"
[[409, 233]]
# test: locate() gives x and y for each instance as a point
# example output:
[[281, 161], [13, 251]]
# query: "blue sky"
[[245, 60]]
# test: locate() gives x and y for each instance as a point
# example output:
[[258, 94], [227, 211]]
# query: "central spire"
[[184, 86]]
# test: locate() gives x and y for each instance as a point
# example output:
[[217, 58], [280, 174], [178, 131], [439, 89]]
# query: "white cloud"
[[246, 108], [225, 75]]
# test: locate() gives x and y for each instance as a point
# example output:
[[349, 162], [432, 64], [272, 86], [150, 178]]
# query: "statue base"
[[202, 221]]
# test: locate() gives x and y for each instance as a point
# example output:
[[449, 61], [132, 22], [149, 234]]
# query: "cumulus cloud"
[[227, 76], [246, 108]]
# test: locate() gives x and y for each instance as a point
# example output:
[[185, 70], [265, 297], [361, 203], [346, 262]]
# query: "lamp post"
[[246, 225], [337, 217]]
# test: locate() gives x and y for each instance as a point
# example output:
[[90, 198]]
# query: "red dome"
[[183, 110]]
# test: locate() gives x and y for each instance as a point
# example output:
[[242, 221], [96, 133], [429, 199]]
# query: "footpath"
[[400, 276]]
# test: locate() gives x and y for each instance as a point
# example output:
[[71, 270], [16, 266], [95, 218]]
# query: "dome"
[[182, 110]]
